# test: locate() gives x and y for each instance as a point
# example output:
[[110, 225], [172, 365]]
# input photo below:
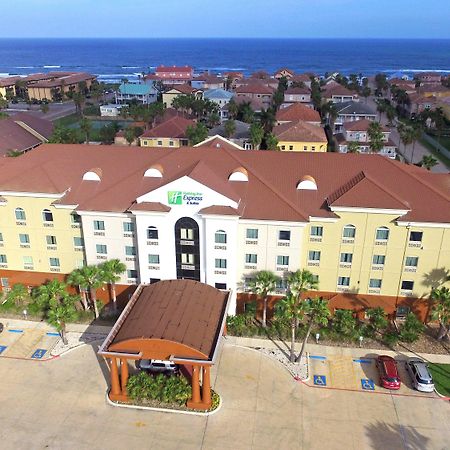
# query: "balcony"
[[3, 266], [187, 267], [374, 291], [128, 235], [55, 269], [24, 245], [130, 258], [406, 293], [377, 267], [48, 224]]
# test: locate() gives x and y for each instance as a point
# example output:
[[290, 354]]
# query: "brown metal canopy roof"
[[172, 319]]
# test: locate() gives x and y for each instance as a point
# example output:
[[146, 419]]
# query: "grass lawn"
[[67, 120], [441, 377], [435, 153]]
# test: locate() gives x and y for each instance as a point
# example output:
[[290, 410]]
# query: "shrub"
[[344, 323], [242, 325], [377, 318], [411, 329], [390, 338]]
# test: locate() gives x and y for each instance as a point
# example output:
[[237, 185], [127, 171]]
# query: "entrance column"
[[195, 401], [206, 386], [124, 375], [115, 386]]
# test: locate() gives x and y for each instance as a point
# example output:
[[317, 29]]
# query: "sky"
[[228, 18]]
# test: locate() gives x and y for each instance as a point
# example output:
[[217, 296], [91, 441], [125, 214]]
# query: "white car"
[[157, 365], [420, 375]]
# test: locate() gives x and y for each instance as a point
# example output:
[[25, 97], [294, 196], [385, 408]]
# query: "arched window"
[[152, 233], [220, 237], [47, 215], [20, 214], [349, 231], [382, 234]]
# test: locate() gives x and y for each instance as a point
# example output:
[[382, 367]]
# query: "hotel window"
[[251, 258], [24, 238], [252, 233], [128, 227], [382, 234], [284, 235], [316, 231], [101, 249], [221, 263], [99, 225], [346, 258], [152, 233], [78, 241], [378, 259], [220, 237], [51, 240], [313, 148], [54, 262], [283, 147], [305, 148], [153, 259], [27, 260], [313, 255], [75, 218], [20, 214], [375, 283], [344, 281], [159, 143], [415, 236], [282, 260], [407, 285], [349, 231], [187, 234], [145, 143], [3, 259], [187, 258], [170, 143], [411, 261], [47, 215], [132, 273], [222, 286], [291, 147], [130, 250]]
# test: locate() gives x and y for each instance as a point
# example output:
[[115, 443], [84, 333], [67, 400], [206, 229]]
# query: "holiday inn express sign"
[[184, 198]]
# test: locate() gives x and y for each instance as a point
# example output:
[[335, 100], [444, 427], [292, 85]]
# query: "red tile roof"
[[174, 127], [297, 111], [171, 69], [337, 89], [9, 81], [361, 125], [299, 131], [255, 88], [297, 90]]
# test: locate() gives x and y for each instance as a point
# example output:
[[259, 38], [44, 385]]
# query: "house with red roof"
[[297, 95], [257, 91], [174, 74], [336, 93], [298, 111], [284, 73], [169, 134], [177, 90]]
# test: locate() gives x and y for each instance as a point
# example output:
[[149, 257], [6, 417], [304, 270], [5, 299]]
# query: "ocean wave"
[[24, 67], [131, 67], [116, 75], [4, 74], [224, 69], [51, 67], [418, 70]]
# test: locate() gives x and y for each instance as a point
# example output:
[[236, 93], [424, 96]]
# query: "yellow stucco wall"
[[160, 142], [4, 89], [63, 229], [433, 253], [300, 146]]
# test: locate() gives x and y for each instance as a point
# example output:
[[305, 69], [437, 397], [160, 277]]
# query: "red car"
[[387, 367]]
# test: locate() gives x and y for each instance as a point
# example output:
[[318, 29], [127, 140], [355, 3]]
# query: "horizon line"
[[231, 37]]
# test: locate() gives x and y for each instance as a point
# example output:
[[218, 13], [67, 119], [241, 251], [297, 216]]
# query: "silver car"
[[157, 365], [420, 375]]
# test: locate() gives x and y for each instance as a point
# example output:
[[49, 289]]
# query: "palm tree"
[[86, 128], [376, 137], [230, 128], [256, 135], [75, 278], [19, 295], [50, 293], [60, 313], [271, 141], [264, 283], [91, 278], [318, 313], [329, 111], [353, 147], [292, 311], [381, 108], [441, 310], [112, 270], [428, 162], [267, 119], [300, 282], [415, 135]]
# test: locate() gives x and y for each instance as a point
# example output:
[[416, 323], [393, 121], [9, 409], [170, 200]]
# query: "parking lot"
[[357, 374]]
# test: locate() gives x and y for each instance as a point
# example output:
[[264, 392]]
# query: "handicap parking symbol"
[[39, 353], [320, 380], [367, 385], [2, 348]]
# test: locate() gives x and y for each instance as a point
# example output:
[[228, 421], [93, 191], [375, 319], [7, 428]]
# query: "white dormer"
[[155, 171], [239, 174], [93, 175], [307, 183]]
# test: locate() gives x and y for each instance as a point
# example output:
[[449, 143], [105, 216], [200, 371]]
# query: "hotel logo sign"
[[184, 198]]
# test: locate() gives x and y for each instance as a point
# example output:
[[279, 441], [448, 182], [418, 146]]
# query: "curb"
[[69, 350], [444, 397], [165, 410]]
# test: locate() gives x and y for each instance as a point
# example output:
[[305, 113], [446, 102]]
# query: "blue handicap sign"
[[320, 380], [367, 384], [39, 353], [2, 348]]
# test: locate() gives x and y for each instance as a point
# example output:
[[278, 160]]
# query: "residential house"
[[168, 134], [257, 91], [431, 78], [358, 131], [231, 78], [8, 86], [351, 111], [298, 111], [54, 86], [174, 75], [240, 137], [409, 86], [268, 82], [418, 103], [221, 98], [207, 81], [22, 132], [299, 136], [110, 110], [304, 78], [142, 92], [177, 90], [336, 93], [284, 73], [297, 95]]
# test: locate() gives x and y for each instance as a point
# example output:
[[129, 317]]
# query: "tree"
[[91, 278], [86, 128], [411, 328], [60, 313], [390, 114], [79, 99], [50, 293], [365, 92], [75, 278], [262, 284], [441, 310], [381, 82], [417, 132], [197, 133], [233, 109], [329, 112], [230, 128], [19, 295], [292, 311], [377, 318], [406, 135], [108, 132], [14, 153], [318, 313], [64, 135], [344, 322], [267, 119], [271, 141], [381, 107], [376, 137], [300, 282], [112, 270], [130, 134], [353, 147], [3, 102], [213, 120], [256, 134], [428, 162]]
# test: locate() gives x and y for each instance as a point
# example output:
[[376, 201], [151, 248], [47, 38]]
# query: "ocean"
[[114, 59]]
